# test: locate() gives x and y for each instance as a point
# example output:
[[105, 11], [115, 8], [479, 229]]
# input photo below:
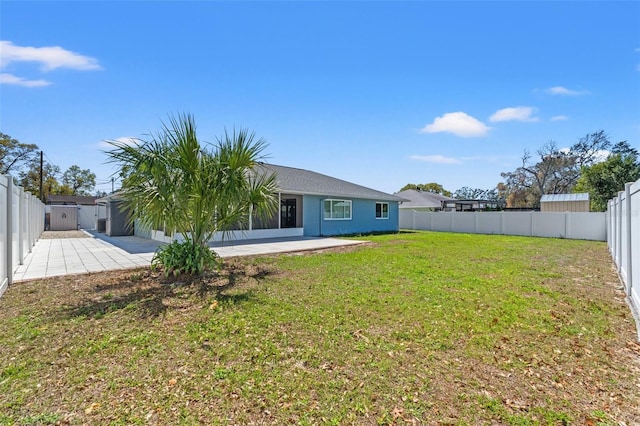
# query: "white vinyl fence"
[[21, 223], [571, 225], [623, 239]]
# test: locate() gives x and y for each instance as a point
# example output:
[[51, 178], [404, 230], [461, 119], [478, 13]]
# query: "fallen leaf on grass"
[[397, 413], [90, 409]]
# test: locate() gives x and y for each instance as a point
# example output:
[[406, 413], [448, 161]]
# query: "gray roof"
[[85, 200], [581, 196], [299, 181], [422, 199]]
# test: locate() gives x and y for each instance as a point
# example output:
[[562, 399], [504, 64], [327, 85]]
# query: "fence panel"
[[4, 234], [16, 192], [517, 223], [21, 223], [549, 224], [587, 226], [582, 226], [623, 239], [489, 223], [634, 247]]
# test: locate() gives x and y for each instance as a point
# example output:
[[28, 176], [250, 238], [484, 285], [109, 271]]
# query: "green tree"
[[466, 193], [433, 187], [171, 182], [603, 180], [29, 179], [14, 155], [77, 181]]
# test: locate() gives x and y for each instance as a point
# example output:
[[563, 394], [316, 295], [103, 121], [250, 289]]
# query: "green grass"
[[430, 328]]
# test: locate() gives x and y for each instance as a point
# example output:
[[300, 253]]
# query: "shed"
[[84, 216], [116, 223], [578, 202]]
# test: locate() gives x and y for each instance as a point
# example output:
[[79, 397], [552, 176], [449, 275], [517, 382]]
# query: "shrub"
[[185, 257]]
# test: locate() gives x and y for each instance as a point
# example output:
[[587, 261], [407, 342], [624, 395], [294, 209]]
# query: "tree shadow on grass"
[[151, 294], [148, 302]]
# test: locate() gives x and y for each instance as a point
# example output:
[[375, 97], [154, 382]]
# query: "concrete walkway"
[[66, 256]]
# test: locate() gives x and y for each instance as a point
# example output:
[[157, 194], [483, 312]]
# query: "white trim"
[[332, 200]]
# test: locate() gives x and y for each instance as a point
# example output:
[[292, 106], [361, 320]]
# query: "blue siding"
[[363, 218]]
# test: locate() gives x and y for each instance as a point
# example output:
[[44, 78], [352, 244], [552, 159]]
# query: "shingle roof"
[[71, 199], [300, 181], [581, 196], [422, 199]]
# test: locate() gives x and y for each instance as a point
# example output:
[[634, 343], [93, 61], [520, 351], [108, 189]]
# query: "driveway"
[[96, 252]]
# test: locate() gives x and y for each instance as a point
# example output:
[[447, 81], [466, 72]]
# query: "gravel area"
[[50, 235]]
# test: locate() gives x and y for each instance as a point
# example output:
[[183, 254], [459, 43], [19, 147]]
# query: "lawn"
[[410, 328]]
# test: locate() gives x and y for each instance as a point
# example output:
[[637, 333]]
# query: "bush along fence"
[[572, 225], [623, 239], [21, 224]]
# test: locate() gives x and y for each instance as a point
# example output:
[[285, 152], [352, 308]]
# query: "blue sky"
[[377, 93]]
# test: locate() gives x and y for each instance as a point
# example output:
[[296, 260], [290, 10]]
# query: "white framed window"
[[337, 209], [382, 210]]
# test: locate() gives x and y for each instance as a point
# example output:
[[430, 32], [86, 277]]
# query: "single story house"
[[578, 202], [314, 205], [423, 200]]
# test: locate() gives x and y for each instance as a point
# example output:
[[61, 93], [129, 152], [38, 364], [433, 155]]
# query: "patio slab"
[[67, 256]]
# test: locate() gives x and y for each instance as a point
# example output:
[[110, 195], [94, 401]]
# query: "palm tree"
[[171, 182]]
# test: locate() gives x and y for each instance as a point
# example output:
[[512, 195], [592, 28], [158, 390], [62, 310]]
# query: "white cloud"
[[559, 118], [49, 58], [563, 91], [520, 113], [438, 159], [6, 78], [598, 156], [126, 140], [458, 123]]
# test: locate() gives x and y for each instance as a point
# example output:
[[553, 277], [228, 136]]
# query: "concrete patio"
[[98, 252]]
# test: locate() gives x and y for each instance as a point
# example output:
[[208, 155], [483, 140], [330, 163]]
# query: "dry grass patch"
[[421, 328]]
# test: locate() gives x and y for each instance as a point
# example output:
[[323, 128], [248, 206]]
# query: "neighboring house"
[[471, 205], [313, 204], [565, 202], [69, 212], [423, 200]]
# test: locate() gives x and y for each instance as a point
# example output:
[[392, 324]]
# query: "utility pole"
[[41, 178], [112, 184]]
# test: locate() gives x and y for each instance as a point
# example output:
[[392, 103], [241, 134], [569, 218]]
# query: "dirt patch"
[[52, 235]]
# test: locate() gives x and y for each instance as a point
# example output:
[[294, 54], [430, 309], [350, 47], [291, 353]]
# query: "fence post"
[[531, 223], [475, 222], [619, 231], [627, 191], [21, 221], [10, 219]]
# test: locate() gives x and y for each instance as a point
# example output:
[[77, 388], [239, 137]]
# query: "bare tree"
[[553, 171]]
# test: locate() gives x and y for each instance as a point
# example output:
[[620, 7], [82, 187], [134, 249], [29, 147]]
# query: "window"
[[337, 209], [382, 210]]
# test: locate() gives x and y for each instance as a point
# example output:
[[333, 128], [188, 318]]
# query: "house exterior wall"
[[363, 218], [565, 206]]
